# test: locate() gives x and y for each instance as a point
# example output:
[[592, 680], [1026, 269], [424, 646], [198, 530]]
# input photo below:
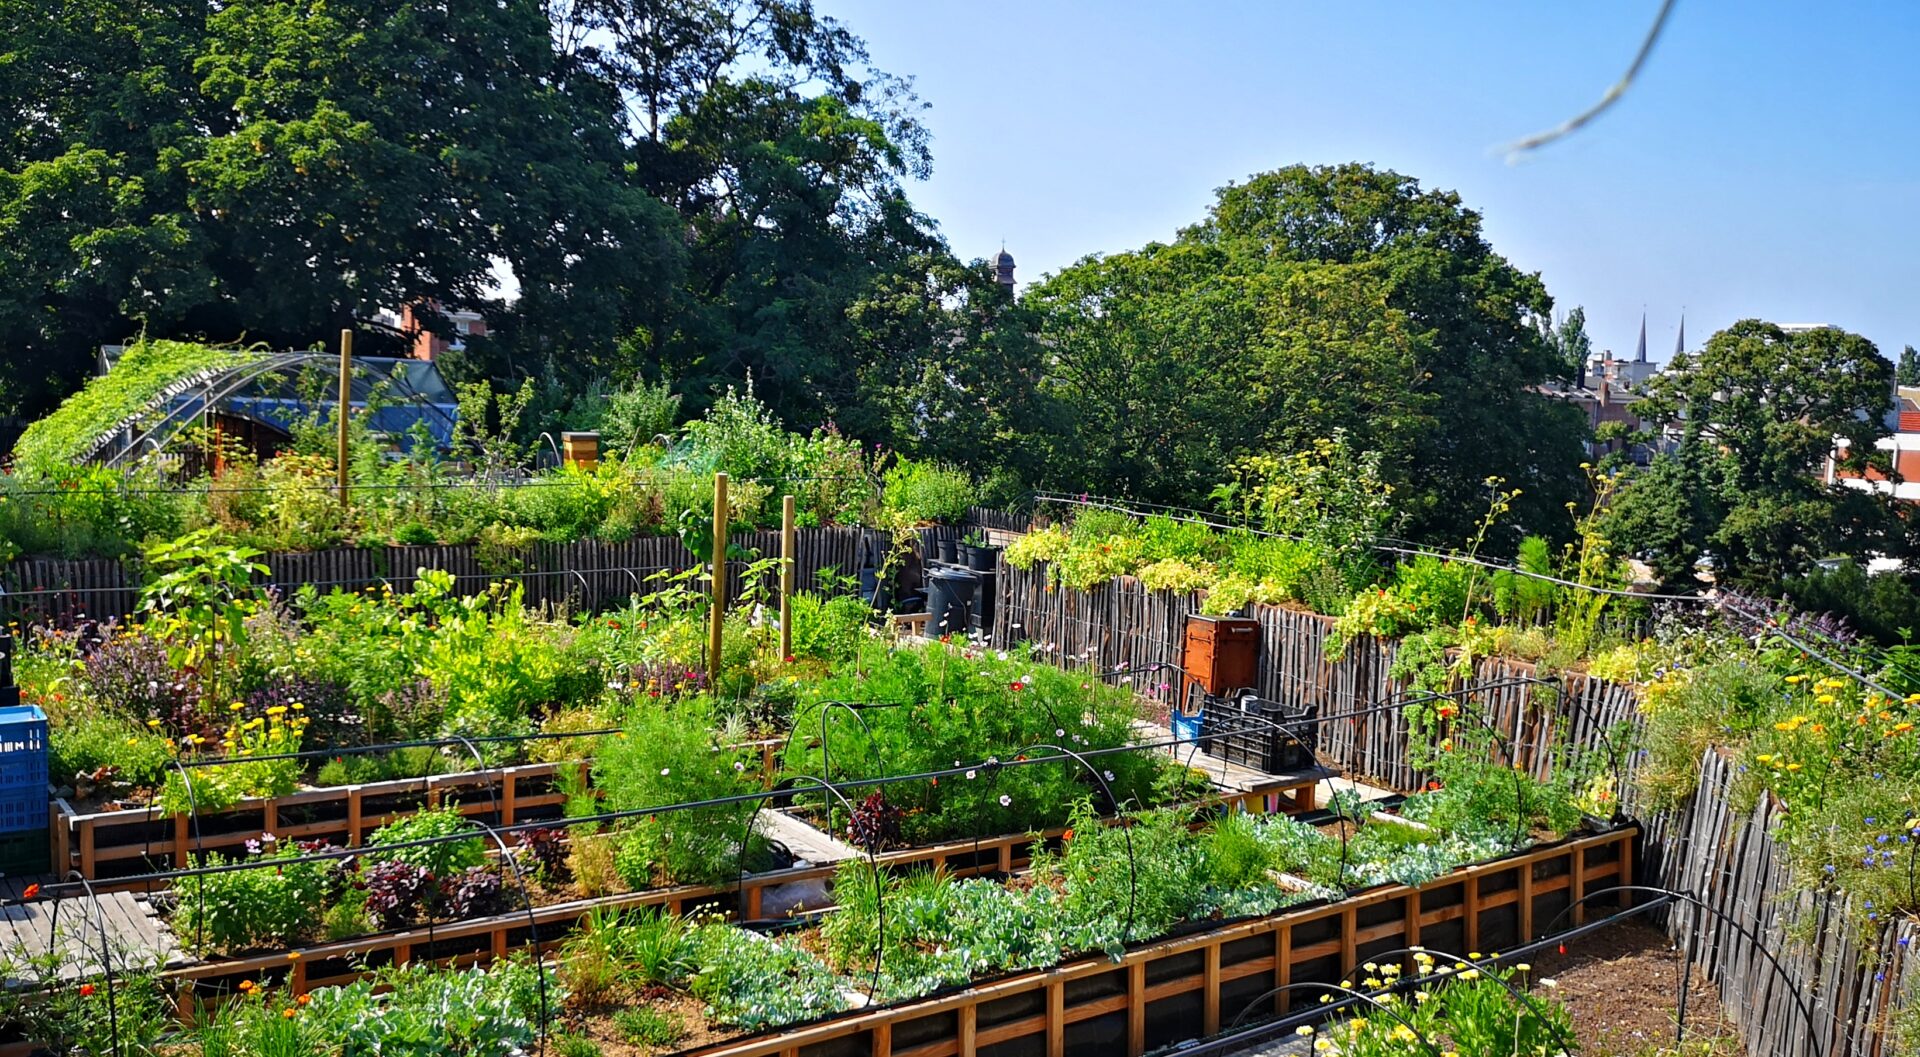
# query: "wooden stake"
[[346, 404], [787, 558], [716, 620]]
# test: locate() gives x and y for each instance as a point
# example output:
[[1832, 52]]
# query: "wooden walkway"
[[135, 935], [818, 848], [1293, 792]]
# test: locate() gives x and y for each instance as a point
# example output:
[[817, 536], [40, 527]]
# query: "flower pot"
[[946, 549], [979, 559]]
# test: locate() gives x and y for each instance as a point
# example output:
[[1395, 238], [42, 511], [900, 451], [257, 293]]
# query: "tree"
[[1760, 411], [1908, 372], [684, 190], [281, 170], [1569, 342], [1311, 300]]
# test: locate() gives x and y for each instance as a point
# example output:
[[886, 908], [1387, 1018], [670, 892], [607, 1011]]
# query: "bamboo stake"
[[346, 404], [716, 620], [786, 576]]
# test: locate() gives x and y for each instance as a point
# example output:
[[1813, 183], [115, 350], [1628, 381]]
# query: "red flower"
[[789, 658], [86, 990], [614, 624], [1016, 685], [32, 892]]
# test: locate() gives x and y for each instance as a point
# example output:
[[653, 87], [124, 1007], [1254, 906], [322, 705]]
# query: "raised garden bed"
[[1169, 990]]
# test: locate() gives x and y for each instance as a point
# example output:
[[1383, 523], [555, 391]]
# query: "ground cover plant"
[[1304, 531], [478, 491], [1830, 742]]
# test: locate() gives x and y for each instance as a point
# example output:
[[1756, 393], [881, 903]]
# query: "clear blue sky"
[[1766, 163]]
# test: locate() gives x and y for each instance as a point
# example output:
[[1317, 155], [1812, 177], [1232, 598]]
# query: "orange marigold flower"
[[86, 990]]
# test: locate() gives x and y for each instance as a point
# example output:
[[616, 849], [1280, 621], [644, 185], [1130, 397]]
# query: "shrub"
[[636, 414], [270, 904], [132, 675], [669, 755], [640, 1026], [442, 859], [828, 629], [923, 492]]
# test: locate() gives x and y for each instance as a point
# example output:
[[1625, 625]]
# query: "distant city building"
[[411, 321], [1902, 446], [1607, 390]]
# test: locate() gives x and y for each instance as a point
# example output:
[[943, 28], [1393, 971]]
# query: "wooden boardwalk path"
[[134, 933]]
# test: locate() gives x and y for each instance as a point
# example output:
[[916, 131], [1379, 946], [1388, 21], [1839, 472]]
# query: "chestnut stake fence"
[[1725, 855]]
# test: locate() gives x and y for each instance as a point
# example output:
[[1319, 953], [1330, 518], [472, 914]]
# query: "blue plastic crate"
[[23, 769]]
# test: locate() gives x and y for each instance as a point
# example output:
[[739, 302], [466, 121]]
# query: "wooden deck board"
[[813, 845], [1230, 777], [133, 933]]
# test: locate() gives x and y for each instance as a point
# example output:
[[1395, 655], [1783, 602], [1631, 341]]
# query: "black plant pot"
[[979, 559], [947, 550], [877, 592]]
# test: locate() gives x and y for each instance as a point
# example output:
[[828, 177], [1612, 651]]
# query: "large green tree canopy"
[[691, 188], [1311, 300], [1758, 412]]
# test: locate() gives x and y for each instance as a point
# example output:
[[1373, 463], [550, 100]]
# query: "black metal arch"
[[533, 928], [1753, 940], [1352, 996], [1485, 966]]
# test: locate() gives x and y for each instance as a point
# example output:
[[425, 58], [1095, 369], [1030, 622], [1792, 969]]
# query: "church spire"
[[1680, 343], [1641, 355]]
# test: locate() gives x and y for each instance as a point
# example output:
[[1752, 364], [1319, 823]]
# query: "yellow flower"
[[1825, 699], [1796, 678], [236, 706]]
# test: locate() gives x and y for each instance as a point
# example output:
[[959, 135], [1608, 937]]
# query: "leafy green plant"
[[924, 492], [441, 859], [672, 756], [940, 706], [235, 909], [751, 982], [640, 1026], [91, 741]]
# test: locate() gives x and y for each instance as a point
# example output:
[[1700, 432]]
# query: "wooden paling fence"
[[586, 575], [1728, 857], [1121, 624]]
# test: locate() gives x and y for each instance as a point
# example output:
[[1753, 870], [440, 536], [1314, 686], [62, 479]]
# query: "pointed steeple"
[[1641, 355], [1680, 343]]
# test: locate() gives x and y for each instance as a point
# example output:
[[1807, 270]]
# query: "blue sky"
[[1766, 163]]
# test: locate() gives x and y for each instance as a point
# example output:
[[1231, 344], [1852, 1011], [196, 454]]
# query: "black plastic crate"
[[1242, 731]]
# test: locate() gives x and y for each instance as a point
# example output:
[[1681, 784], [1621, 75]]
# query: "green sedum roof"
[[142, 381]]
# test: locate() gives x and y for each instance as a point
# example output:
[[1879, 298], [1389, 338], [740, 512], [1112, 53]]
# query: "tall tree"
[[1311, 299], [1570, 344], [1760, 411], [276, 170], [1908, 370]]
